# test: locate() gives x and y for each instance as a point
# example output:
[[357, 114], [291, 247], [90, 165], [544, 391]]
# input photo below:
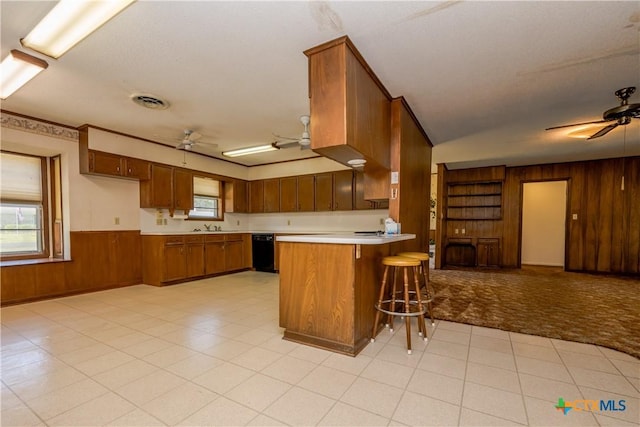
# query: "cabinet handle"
[[129, 170]]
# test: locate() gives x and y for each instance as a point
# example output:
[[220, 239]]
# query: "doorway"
[[544, 217]]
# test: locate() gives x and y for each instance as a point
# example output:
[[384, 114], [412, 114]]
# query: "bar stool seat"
[[389, 303], [427, 295]]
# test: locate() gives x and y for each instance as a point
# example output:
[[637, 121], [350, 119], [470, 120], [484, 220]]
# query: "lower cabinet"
[[488, 252], [170, 259]]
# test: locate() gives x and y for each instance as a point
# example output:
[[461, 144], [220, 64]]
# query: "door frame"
[[567, 217]]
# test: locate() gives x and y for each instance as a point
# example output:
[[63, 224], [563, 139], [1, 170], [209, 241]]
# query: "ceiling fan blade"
[[194, 136], [605, 130], [281, 144], [578, 124]]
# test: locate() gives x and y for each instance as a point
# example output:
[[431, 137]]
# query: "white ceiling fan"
[[191, 139], [304, 142]]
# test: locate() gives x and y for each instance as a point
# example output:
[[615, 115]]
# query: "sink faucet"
[[208, 227], [218, 228]]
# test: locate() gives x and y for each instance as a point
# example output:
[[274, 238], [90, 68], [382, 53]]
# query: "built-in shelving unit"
[[474, 201]]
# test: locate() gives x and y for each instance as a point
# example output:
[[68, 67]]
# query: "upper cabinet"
[[236, 196], [350, 108], [289, 194], [256, 196], [168, 188], [272, 195]]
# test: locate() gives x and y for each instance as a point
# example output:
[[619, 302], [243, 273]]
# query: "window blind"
[[206, 187], [20, 178]]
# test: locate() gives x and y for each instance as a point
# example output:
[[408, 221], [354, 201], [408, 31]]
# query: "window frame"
[[44, 211]]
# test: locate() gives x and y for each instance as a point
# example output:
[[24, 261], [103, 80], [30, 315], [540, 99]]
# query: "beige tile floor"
[[210, 352]]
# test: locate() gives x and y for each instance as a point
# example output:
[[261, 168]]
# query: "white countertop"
[[347, 238]]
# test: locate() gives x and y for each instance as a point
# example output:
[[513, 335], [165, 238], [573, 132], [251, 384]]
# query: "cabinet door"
[[183, 190], [236, 197], [306, 193], [158, 191], [358, 193], [136, 168], [127, 252], [272, 195], [195, 259], [324, 192], [343, 191], [105, 163], [233, 255], [214, 257], [174, 262], [289, 194], [256, 196]]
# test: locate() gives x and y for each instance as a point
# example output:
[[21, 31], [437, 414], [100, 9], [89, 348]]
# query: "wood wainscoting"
[[99, 260]]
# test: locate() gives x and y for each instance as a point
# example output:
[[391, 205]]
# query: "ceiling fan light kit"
[[620, 116]]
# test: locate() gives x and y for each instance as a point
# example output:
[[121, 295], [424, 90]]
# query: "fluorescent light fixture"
[[69, 22], [16, 70], [250, 150]]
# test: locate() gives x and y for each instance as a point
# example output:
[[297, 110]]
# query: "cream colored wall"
[[300, 167], [544, 207], [93, 203]]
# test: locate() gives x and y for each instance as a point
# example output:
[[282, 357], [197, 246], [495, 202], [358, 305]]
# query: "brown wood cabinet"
[[271, 195], [214, 254], [289, 194], [343, 190], [173, 259], [168, 188], [157, 192], [114, 165], [182, 190], [324, 192], [488, 252], [236, 196], [256, 196], [306, 193], [194, 250], [234, 252]]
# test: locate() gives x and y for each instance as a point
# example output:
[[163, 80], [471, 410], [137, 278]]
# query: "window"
[[23, 207], [206, 199]]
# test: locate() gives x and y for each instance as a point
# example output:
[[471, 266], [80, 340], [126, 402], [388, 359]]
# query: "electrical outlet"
[[574, 216], [288, 222], [238, 222], [164, 221], [457, 231], [464, 231], [159, 221], [116, 220], [381, 221]]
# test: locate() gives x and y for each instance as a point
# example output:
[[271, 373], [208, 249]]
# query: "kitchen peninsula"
[[328, 287]]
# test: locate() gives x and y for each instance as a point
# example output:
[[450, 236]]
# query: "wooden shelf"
[[475, 201]]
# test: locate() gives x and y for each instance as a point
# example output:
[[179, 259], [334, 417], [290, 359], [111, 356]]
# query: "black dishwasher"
[[263, 252]]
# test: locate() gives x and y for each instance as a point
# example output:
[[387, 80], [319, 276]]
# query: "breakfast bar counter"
[[328, 287]]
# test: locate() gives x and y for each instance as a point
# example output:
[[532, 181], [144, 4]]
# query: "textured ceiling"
[[484, 78]]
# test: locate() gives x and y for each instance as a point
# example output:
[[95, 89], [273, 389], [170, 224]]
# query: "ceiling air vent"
[[149, 101]]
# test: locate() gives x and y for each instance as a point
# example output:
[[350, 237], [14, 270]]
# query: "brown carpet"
[[544, 301]]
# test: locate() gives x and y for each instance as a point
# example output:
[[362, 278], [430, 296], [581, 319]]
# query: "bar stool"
[[427, 296], [406, 307]]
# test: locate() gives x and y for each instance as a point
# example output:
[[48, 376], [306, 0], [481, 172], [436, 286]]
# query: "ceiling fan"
[[190, 140], [303, 142], [616, 116]]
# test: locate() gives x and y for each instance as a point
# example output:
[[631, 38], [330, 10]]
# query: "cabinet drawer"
[[174, 240], [233, 237], [214, 238], [194, 239]]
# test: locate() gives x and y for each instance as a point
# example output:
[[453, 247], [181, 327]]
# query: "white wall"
[[93, 203], [544, 206]]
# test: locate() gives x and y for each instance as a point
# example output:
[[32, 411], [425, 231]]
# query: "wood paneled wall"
[[605, 237], [411, 158], [99, 260]]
